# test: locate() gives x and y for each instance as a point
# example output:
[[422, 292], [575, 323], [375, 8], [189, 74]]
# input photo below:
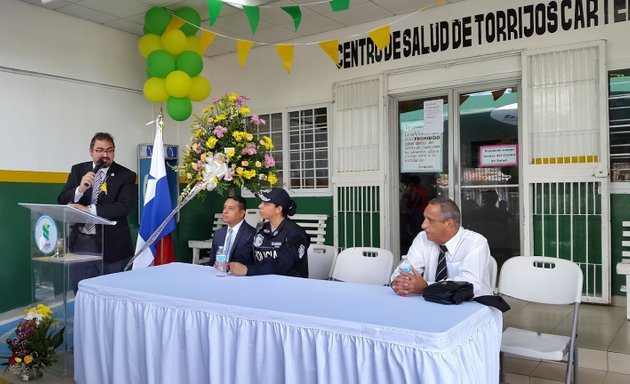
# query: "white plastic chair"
[[493, 270], [252, 217], [320, 261], [363, 265], [543, 280]]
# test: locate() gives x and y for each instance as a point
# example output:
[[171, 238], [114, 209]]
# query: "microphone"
[[99, 165]]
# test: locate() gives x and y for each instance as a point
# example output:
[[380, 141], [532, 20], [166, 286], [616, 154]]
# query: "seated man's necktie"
[[441, 272]]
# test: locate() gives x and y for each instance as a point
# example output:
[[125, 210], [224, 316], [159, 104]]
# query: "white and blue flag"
[[157, 204]]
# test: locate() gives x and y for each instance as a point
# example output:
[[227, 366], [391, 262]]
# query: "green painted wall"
[[195, 223], [619, 211]]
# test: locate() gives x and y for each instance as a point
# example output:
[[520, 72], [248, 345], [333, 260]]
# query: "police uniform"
[[281, 251]]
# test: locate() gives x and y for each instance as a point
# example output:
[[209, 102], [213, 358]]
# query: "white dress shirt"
[[467, 259]]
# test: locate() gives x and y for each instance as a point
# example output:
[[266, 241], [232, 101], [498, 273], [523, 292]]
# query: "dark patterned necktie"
[[96, 190], [441, 271]]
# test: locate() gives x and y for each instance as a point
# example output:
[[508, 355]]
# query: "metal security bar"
[[567, 221], [358, 216]]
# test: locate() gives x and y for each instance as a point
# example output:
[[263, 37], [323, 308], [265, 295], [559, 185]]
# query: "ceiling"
[[275, 25]]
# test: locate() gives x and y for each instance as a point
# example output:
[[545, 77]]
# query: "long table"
[[180, 323]]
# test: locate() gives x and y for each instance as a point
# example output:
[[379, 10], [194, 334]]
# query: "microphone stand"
[[193, 192]]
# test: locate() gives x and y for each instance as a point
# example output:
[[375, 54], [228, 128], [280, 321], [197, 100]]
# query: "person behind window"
[[466, 253], [236, 238], [280, 244]]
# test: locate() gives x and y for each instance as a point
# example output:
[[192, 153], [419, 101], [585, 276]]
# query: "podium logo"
[[46, 234]]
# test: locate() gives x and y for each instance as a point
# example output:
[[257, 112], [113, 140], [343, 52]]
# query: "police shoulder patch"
[[258, 240], [301, 251]]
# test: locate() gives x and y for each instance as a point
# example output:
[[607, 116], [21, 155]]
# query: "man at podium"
[[106, 189]]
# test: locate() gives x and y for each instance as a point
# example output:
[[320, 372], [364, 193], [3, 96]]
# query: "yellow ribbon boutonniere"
[[104, 188]]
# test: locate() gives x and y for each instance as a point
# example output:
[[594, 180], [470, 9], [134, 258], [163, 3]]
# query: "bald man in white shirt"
[[467, 253]]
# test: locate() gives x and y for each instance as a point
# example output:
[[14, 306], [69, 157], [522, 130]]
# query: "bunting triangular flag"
[[339, 5], [253, 15], [286, 54], [380, 36], [331, 47], [295, 13], [214, 8], [242, 49], [175, 23], [207, 37]]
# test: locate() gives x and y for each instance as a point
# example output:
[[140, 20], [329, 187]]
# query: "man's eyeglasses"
[[103, 150]]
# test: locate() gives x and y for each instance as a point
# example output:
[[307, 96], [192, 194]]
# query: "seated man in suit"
[[237, 237]]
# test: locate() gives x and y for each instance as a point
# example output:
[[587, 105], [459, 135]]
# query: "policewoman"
[[280, 244]]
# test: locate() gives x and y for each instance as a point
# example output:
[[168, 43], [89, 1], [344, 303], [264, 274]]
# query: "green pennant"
[[339, 5], [214, 8], [295, 13], [253, 15]]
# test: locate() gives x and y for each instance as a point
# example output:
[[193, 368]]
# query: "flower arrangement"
[[225, 144], [33, 347]]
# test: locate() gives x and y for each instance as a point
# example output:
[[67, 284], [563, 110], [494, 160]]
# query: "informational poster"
[[420, 152], [499, 155], [433, 116]]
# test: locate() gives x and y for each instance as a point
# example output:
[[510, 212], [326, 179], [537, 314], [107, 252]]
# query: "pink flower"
[[257, 120], [229, 175], [250, 149], [219, 131], [240, 101], [269, 161]]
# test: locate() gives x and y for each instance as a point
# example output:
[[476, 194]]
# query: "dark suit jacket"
[[241, 249], [115, 205]]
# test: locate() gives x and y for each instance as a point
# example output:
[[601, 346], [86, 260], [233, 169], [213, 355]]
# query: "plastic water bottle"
[[404, 266], [221, 262]]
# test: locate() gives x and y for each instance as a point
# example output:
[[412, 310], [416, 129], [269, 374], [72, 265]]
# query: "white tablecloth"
[[179, 323]]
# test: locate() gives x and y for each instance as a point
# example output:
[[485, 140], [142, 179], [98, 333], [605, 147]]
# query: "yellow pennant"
[[242, 48], [175, 23], [331, 49], [207, 37], [380, 36], [286, 54]]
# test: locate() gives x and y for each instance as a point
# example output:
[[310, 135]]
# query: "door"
[[488, 167]]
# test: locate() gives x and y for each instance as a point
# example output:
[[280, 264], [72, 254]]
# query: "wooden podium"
[[54, 255]]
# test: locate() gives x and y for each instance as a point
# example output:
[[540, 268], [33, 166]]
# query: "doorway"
[[467, 150]]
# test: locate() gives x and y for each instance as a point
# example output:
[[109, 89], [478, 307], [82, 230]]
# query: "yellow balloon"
[[193, 44], [149, 43], [174, 42], [178, 84], [155, 90], [200, 89]]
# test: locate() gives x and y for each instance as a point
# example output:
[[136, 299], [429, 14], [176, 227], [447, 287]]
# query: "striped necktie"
[[90, 228], [228, 243], [441, 271]]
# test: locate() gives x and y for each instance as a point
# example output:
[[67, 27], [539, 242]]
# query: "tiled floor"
[[604, 346], [603, 343]]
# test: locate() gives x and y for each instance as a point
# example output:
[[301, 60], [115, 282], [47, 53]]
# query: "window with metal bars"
[[308, 148], [619, 123]]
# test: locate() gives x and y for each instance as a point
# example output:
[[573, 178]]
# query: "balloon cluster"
[[173, 61]]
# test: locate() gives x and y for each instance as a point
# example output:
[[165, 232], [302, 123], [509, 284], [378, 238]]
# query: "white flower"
[[34, 316]]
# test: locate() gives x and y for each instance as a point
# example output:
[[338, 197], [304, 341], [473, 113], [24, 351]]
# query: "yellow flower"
[[188, 176], [230, 152], [258, 164], [238, 135], [18, 360], [244, 111], [28, 359], [250, 137], [104, 188], [220, 117], [249, 174], [194, 165], [204, 157], [245, 163], [239, 170], [272, 179], [233, 96], [266, 142], [212, 141]]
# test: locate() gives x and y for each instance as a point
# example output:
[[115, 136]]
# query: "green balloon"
[[192, 17], [160, 63], [156, 20], [179, 109], [189, 62]]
